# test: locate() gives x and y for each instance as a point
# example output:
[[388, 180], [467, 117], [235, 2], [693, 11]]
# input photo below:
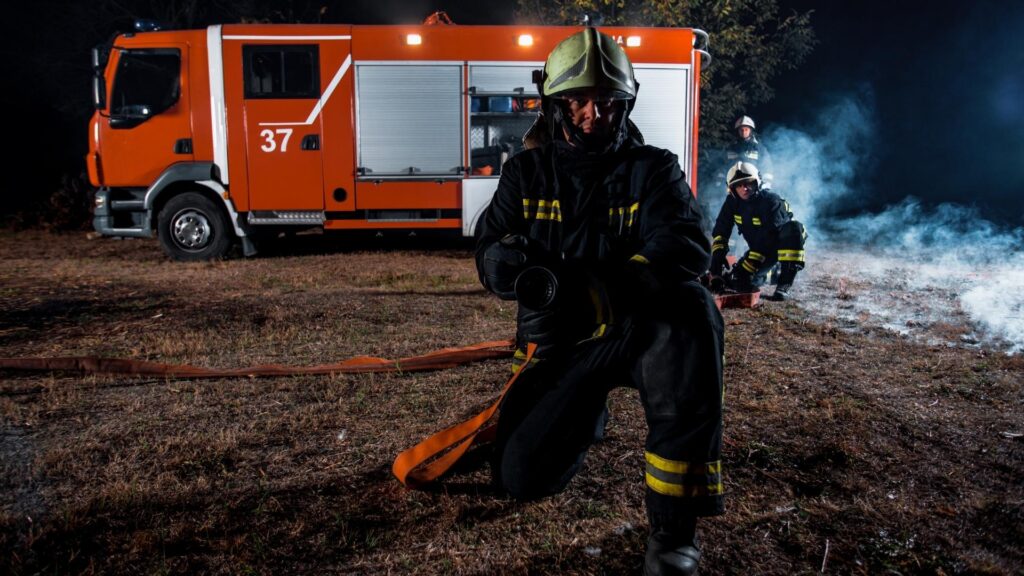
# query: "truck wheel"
[[191, 227]]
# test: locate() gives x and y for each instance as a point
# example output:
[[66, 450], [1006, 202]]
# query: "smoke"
[[821, 170], [937, 272]]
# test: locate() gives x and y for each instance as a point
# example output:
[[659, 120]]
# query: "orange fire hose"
[[414, 467], [438, 360]]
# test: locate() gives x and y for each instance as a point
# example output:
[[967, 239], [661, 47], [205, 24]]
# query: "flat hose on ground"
[[437, 360]]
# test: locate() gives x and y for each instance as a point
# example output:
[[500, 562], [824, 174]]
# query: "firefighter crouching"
[[599, 238], [765, 221]]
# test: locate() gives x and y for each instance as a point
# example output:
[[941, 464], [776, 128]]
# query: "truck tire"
[[192, 227]]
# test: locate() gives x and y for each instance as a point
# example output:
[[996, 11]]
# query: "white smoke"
[[940, 274]]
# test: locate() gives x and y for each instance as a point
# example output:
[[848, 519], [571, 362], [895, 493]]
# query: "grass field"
[[846, 452]]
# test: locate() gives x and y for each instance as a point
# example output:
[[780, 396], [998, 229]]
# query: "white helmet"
[[743, 172], [744, 121]]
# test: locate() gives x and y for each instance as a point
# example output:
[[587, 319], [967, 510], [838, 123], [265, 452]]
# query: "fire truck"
[[207, 138]]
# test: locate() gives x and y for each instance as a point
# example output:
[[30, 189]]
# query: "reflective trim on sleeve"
[[791, 255], [749, 267], [755, 256], [542, 209], [738, 218], [639, 258], [755, 221]]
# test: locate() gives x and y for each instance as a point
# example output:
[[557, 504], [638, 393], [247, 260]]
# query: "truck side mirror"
[[99, 92]]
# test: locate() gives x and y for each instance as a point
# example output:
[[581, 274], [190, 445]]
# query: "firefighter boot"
[[786, 278], [672, 553]]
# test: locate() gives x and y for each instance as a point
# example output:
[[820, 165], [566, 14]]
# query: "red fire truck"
[[208, 137]]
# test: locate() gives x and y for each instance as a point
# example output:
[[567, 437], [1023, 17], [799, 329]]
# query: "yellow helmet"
[[589, 60]]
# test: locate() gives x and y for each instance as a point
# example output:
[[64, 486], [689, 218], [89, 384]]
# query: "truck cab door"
[[148, 126], [283, 133]]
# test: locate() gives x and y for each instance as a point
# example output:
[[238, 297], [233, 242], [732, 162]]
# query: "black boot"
[[670, 554], [672, 549], [786, 278]]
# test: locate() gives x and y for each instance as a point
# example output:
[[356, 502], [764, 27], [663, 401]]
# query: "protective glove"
[[632, 288], [541, 327], [717, 284], [719, 264], [502, 263]]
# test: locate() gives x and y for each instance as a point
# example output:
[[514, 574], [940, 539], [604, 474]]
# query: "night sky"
[[947, 81]]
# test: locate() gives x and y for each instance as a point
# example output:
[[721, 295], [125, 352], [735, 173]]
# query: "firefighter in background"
[[747, 148], [615, 226], [766, 223]]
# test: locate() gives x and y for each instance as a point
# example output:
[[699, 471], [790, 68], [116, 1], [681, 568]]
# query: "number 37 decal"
[[270, 138]]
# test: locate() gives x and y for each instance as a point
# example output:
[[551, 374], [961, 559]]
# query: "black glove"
[[542, 327], [717, 284], [503, 261], [719, 264]]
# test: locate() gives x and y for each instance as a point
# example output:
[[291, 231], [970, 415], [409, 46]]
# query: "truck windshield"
[[147, 82]]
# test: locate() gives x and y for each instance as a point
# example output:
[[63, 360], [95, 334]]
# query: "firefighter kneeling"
[[765, 221], [599, 238]]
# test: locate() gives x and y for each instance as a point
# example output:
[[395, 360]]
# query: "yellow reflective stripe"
[[639, 258], [690, 479], [749, 267], [791, 255], [600, 331], [681, 467], [717, 247], [673, 466], [529, 208], [517, 360], [738, 218], [756, 255], [626, 214], [716, 239], [755, 221], [683, 490], [542, 209]]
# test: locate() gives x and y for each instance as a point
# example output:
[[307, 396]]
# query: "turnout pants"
[[788, 247], [672, 352]]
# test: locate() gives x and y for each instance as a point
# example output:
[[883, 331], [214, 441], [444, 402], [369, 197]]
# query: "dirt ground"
[[847, 450]]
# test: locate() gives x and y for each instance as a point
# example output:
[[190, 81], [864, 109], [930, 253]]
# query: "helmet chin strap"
[[589, 143]]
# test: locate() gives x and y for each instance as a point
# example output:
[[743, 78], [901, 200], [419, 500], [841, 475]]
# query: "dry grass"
[[893, 453]]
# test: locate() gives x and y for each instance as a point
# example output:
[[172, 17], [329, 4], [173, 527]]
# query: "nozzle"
[[536, 288]]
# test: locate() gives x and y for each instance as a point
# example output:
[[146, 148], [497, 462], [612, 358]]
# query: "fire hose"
[[437, 360], [416, 466]]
